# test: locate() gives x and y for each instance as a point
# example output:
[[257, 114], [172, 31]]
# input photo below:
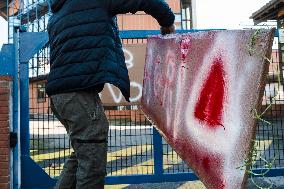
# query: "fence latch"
[[13, 139]]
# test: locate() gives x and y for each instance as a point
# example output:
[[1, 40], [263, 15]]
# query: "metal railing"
[[137, 153]]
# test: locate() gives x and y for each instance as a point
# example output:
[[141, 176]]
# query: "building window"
[[41, 97], [178, 22], [186, 15]]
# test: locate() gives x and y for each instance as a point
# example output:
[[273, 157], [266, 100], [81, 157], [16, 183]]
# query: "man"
[[86, 53]]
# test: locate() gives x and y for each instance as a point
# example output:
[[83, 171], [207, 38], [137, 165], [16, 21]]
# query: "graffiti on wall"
[[135, 61]]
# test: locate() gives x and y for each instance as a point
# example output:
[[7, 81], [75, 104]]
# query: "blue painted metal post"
[[24, 108], [158, 153], [29, 44], [33, 176], [16, 113], [8, 67]]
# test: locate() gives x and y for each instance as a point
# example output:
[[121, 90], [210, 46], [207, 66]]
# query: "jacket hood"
[[56, 5]]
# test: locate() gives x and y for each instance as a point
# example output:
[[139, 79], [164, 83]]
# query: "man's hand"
[[168, 30]]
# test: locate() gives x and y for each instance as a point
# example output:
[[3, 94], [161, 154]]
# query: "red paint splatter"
[[210, 103], [184, 46], [206, 163], [158, 60]]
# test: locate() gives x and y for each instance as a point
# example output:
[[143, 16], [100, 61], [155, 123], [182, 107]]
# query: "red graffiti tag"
[[210, 103]]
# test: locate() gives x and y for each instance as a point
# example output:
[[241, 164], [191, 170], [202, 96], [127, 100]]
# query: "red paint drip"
[[210, 103], [184, 46]]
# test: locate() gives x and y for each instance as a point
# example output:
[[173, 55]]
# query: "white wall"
[[227, 14], [3, 31]]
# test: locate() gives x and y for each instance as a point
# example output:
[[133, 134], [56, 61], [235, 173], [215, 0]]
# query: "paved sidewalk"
[[275, 183]]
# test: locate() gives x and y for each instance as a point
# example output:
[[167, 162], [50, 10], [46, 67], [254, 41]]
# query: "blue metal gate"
[[149, 149], [137, 155]]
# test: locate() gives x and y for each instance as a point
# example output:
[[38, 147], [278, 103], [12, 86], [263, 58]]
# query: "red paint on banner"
[[184, 46], [210, 103], [206, 163], [169, 97]]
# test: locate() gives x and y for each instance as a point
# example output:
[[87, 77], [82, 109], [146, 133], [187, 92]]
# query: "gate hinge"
[[13, 139]]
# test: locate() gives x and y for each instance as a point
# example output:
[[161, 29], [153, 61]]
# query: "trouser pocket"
[[84, 114]]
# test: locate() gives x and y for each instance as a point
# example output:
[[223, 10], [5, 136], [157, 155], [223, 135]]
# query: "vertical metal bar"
[[281, 52], [16, 114], [24, 108], [158, 152], [181, 23], [190, 16], [281, 56]]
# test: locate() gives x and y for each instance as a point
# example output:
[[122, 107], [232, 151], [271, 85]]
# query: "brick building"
[[5, 116]]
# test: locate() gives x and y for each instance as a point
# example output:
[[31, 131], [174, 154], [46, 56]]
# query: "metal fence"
[[131, 142], [131, 145]]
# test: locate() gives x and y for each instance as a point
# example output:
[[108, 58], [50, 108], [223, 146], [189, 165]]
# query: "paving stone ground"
[[274, 183]]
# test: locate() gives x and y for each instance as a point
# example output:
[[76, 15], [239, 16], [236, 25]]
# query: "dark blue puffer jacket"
[[85, 48]]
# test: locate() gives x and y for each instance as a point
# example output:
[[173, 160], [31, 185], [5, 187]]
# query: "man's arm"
[[159, 9]]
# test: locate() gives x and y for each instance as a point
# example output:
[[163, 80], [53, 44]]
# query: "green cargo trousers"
[[83, 116]]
